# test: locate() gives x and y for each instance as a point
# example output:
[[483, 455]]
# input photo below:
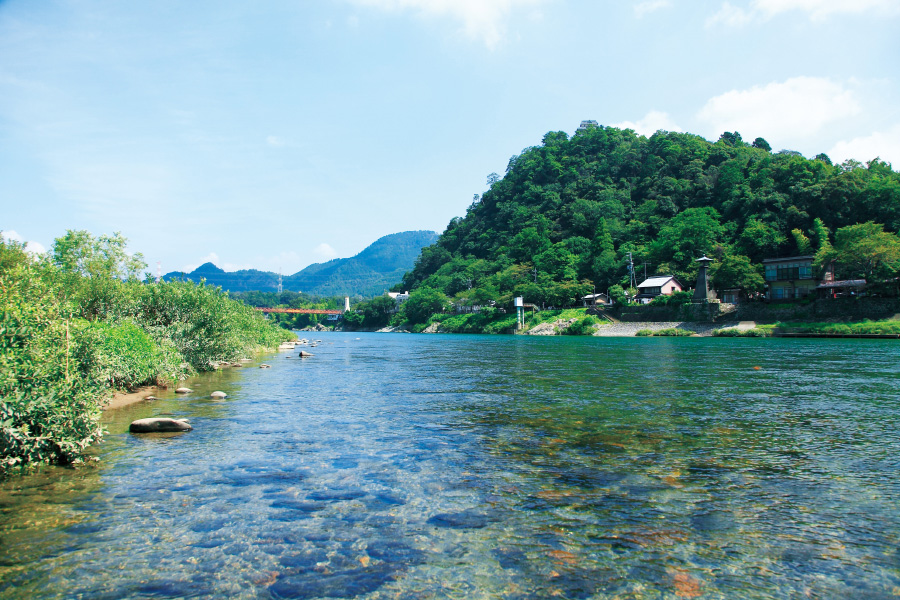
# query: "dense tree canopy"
[[567, 213]]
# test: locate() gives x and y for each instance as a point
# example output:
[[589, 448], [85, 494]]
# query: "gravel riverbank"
[[629, 329]]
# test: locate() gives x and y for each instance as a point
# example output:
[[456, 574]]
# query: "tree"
[[92, 270], [864, 251], [423, 303], [737, 272], [687, 236], [804, 246], [762, 144], [79, 252]]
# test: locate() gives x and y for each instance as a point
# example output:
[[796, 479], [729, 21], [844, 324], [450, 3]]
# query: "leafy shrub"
[[735, 332], [123, 355], [47, 413], [671, 332], [583, 326]]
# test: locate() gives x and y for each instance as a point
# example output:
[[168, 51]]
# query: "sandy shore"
[[121, 399]]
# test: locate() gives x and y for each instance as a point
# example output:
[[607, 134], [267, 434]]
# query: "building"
[[595, 299], [660, 285], [789, 278], [587, 125]]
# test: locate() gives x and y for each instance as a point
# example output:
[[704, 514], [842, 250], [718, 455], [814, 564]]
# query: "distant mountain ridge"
[[378, 267]]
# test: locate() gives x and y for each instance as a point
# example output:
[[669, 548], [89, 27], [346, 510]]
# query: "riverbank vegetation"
[[569, 213], [669, 332], [78, 323]]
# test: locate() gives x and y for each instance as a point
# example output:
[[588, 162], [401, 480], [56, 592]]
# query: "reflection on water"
[[392, 466]]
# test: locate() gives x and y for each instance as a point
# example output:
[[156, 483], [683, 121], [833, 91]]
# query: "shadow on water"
[[477, 466]]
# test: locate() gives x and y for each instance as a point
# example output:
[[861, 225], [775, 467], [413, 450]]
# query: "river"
[[441, 466]]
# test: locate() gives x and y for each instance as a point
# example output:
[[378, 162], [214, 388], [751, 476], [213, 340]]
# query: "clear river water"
[[441, 466]]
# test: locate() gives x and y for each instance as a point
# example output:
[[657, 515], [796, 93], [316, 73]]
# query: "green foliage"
[[74, 328], [423, 303], [866, 327], [373, 314], [122, 355], [585, 326], [863, 251], [737, 272], [671, 332], [673, 299], [47, 412], [735, 332], [666, 199]]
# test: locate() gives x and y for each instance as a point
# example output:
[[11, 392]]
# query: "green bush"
[[70, 333], [123, 355], [48, 412], [671, 332], [735, 332], [583, 326]]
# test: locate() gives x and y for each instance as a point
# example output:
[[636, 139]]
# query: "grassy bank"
[[77, 324], [866, 327]]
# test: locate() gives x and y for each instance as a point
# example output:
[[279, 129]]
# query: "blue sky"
[[276, 134]]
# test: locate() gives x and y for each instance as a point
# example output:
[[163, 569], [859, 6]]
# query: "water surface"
[[401, 466]]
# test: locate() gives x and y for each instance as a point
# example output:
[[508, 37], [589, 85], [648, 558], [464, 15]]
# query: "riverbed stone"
[[218, 395], [265, 366], [183, 390], [159, 424], [305, 354]]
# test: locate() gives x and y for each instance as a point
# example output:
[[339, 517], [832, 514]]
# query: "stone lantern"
[[701, 292]]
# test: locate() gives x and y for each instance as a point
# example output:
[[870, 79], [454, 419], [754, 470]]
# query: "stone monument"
[[701, 292]]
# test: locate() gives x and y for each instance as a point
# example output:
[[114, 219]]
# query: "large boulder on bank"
[[159, 424]]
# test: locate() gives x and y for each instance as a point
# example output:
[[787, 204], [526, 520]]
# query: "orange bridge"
[[300, 311]]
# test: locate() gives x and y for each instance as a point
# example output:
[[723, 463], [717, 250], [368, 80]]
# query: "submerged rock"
[[183, 390], [265, 366], [157, 424], [305, 354], [466, 519], [218, 395]]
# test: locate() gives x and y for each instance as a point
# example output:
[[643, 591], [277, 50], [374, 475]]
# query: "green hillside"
[[567, 213], [377, 268]]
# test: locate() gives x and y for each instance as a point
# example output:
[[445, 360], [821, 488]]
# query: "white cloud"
[[729, 15], [648, 6], [760, 10], [795, 109], [882, 144], [325, 251], [35, 247], [12, 236], [30, 246], [481, 19], [820, 9], [652, 122], [275, 141]]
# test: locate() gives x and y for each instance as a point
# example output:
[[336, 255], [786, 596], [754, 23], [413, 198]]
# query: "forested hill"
[[369, 273], [567, 212]]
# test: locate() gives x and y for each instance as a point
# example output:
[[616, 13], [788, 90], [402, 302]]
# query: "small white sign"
[[520, 302]]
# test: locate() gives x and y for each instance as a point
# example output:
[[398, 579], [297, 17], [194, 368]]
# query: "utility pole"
[[631, 270], [645, 269], [280, 287], [535, 274]]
